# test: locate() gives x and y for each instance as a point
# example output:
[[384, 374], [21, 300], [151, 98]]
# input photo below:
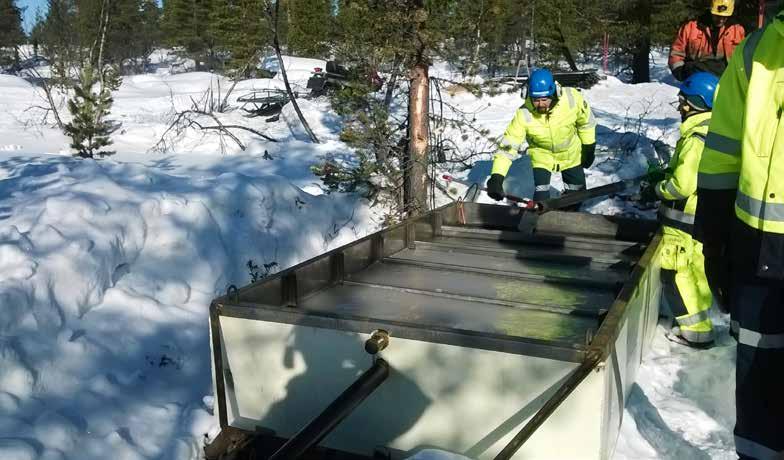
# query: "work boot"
[[676, 335]]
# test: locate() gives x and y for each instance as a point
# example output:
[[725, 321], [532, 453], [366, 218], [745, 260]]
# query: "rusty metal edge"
[[217, 353]]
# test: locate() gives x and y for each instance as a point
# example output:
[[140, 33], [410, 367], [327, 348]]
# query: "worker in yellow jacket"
[[560, 130], [684, 285], [740, 218]]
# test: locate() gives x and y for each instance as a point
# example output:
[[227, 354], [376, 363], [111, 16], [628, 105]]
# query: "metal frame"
[[571, 230]]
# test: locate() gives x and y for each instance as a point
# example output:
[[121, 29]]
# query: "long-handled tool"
[[532, 209], [528, 220], [521, 202]]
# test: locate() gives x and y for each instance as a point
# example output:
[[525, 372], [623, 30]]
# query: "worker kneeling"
[[685, 287], [561, 134]]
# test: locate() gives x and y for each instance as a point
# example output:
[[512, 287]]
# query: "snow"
[[107, 267]]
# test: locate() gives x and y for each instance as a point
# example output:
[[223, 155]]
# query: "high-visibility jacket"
[[697, 41], [678, 190], [554, 138], [680, 252], [744, 149]]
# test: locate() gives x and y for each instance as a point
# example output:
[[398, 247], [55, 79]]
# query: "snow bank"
[[14, 82], [292, 64], [106, 272], [324, 123]]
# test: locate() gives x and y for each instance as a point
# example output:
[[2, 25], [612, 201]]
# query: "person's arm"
[[735, 35], [678, 53], [682, 183], [586, 122], [586, 130], [507, 152], [510, 142]]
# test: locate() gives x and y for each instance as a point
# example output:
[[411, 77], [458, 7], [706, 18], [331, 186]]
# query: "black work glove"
[[495, 187], [655, 174], [683, 72], [716, 66], [587, 155], [679, 73], [648, 193]]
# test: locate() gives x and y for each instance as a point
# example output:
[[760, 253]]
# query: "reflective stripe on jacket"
[[554, 138], [744, 149], [695, 42], [744, 153]]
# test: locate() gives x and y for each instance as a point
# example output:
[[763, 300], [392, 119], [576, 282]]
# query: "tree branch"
[[178, 124], [276, 45], [47, 91]]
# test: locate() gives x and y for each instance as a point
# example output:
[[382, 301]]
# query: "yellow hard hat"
[[723, 7]]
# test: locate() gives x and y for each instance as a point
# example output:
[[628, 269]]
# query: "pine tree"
[[89, 129], [635, 26], [59, 39], [238, 30], [186, 24], [310, 27], [11, 34], [148, 29]]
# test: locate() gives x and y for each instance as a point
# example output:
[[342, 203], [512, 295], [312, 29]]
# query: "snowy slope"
[[107, 267]]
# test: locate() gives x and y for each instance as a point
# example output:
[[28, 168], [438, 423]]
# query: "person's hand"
[[648, 192], [679, 73], [587, 155], [495, 187], [683, 72], [655, 174]]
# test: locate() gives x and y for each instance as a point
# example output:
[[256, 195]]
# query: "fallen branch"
[[225, 103], [251, 130], [276, 45], [183, 121], [47, 91]]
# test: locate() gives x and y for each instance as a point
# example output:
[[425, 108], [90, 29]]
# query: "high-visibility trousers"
[[573, 179], [685, 287], [758, 307]]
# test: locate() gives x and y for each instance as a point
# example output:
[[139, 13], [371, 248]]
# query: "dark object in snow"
[[264, 102], [336, 76], [583, 79], [564, 202]]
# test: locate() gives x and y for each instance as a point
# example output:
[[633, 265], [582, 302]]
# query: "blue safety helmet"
[[699, 89], [541, 84]]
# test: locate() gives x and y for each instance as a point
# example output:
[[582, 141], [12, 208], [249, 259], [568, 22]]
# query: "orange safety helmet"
[[723, 7]]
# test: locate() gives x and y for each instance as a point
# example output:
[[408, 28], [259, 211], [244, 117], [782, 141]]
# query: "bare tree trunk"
[[47, 91], [472, 69], [392, 82], [418, 132], [225, 102], [641, 71], [276, 45], [566, 51], [105, 24], [415, 166]]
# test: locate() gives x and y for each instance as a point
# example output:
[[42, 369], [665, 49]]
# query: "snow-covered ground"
[[107, 266]]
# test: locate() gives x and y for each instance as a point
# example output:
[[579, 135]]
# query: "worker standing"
[[684, 285], [740, 217], [560, 130], [706, 43]]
